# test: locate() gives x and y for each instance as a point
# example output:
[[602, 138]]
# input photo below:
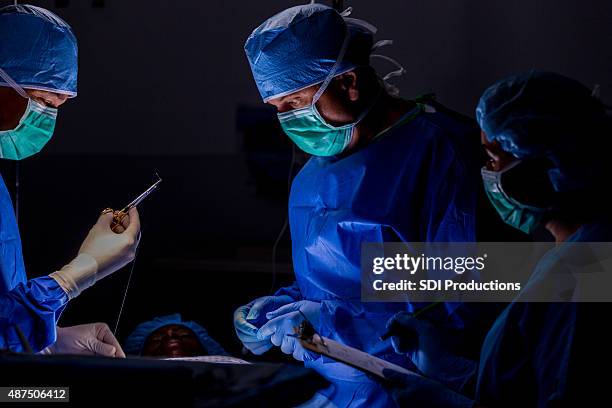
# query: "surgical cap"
[[38, 49], [136, 341], [298, 47], [543, 114]]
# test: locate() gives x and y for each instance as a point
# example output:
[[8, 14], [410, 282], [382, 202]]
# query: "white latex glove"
[[281, 325], [250, 317], [102, 253], [86, 339]]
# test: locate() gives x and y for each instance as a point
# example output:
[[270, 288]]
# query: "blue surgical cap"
[[298, 47], [38, 49], [543, 114], [136, 341]]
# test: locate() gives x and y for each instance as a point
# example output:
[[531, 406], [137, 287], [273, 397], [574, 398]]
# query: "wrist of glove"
[[102, 253], [78, 275]]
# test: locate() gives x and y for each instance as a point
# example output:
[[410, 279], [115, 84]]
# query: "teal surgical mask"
[[520, 216], [311, 132], [34, 130], [31, 134]]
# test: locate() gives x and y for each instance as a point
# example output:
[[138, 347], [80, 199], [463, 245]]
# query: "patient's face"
[[173, 340]]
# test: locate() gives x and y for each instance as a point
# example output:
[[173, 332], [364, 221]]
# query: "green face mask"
[[34, 130], [31, 134], [311, 133], [520, 216]]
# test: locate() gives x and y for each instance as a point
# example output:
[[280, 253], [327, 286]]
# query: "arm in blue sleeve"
[[35, 306], [292, 291]]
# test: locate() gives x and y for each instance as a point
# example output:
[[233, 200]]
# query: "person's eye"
[[295, 103]]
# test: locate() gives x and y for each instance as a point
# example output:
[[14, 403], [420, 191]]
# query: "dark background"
[[165, 86]]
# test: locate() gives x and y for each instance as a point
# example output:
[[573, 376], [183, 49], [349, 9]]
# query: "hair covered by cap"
[[543, 114], [38, 50], [298, 47]]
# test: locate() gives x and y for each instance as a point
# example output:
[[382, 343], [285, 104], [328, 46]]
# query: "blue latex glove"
[[433, 350], [280, 329], [250, 317], [415, 391]]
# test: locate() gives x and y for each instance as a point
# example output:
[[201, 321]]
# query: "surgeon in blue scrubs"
[[549, 141], [383, 169], [38, 73]]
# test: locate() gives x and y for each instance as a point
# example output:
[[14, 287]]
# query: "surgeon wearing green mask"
[[382, 169], [38, 72], [548, 139], [527, 182]]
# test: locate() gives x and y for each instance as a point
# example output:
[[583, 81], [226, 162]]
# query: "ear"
[[348, 84]]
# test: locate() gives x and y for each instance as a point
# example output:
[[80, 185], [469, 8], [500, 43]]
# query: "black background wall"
[[164, 86]]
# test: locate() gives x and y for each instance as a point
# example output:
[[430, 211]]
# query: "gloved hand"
[[280, 329], [102, 253], [250, 317], [415, 391], [433, 350], [86, 339]]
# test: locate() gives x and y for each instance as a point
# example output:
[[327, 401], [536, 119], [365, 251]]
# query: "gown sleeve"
[[35, 307], [32, 305]]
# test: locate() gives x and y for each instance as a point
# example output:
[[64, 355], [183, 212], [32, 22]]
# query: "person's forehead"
[[173, 326], [47, 94]]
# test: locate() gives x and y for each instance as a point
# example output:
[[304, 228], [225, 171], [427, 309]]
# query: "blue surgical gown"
[[549, 354], [417, 182], [35, 305]]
